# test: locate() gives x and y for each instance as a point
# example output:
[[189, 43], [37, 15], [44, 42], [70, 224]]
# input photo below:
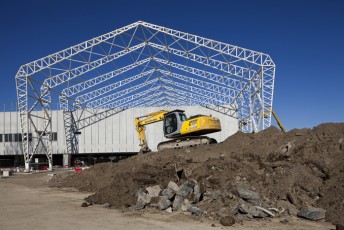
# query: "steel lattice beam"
[[144, 61]]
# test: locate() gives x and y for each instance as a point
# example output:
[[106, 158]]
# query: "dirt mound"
[[301, 168]]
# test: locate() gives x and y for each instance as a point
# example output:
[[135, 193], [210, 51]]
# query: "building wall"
[[115, 134]]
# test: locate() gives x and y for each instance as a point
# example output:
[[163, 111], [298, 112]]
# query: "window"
[[0, 137], [170, 123], [54, 136], [182, 117], [17, 137], [8, 137]]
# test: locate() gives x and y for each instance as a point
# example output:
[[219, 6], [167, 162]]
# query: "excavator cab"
[[173, 122]]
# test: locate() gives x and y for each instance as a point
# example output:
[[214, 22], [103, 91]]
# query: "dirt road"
[[27, 203]]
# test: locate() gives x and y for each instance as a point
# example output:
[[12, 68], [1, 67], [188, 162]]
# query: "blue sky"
[[304, 38]]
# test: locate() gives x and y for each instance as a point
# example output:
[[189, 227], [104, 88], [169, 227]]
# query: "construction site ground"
[[27, 201], [286, 173]]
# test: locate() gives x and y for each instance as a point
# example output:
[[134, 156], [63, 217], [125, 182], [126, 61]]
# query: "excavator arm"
[[276, 118], [141, 122]]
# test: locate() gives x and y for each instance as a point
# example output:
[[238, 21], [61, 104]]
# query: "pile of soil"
[[303, 166]]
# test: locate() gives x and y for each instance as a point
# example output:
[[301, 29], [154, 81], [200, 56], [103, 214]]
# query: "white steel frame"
[[172, 68]]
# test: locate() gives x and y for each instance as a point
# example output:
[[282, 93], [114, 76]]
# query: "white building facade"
[[114, 135]]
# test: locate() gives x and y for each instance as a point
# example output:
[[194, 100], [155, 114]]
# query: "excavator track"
[[186, 142]]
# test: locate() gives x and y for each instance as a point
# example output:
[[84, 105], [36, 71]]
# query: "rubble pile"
[[264, 175]]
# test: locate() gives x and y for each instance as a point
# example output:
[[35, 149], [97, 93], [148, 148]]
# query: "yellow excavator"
[[183, 131]]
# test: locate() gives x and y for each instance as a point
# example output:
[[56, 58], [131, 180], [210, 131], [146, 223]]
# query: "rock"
[[106, 205], [154, 190], [243, 184], [293, 211], [247, 194], [312, 213], [84, 205], [141, 191], [143, 200], [284, 221], [237, 178], [168, 192], [154, 201], [227, 220], [197, 189], [163, 203], [287, 206], [172, 185], [206, 196], [213, 225], [285, 149], [195, 210], [186, 188], [216, 195], [197, 192], [291, 197], [185, 205], [251, 211], [140, 205], [177, 203], [169, 210]]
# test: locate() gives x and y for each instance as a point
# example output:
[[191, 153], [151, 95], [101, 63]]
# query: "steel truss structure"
[[139, 65]]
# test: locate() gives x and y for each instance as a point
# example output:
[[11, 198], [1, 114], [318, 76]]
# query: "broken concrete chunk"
[[312, 213], [285, 149], [291, 197], [245, 208], [154, 190], [251, 211], [141, 191], [106, 205], [168, 192], [186, 188], [247, 194], [195, 210], [197, 189], [227, 220], [287, 206], [185, 205], [154, 201], [177, 203], [140, 205], [172, 185], [143, 200], [163, 203], [216, 194], [169, 210]]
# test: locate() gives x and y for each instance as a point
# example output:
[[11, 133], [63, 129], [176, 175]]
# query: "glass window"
[[17, 137], [182, 117], [8, 137], [54, 136], [170, 123], [0, 137]]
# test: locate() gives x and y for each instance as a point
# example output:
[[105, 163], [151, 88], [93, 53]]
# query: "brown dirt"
[[307, 163]]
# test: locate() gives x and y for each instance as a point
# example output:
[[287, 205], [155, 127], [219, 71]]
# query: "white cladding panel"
[[112, 135]]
